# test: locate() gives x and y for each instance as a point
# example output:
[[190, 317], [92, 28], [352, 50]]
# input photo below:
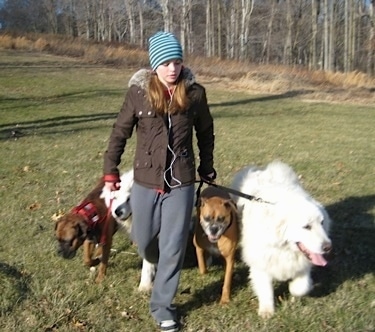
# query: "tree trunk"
[[209, 29], [288, 39], [219, 30], [370, 66], [189, 32], [315, 4], [184, 22], [167, 18], [348, 36], [247, 7], [50, 10], [141, 25], [130, 10], [267, 41], [331, 47]]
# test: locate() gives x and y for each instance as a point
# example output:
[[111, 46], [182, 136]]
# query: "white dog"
[[119, 203], [284, 232]]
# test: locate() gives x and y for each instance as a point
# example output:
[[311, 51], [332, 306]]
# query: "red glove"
[[112, 182]]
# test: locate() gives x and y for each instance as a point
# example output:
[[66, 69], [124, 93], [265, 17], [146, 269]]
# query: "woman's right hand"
[[112, 186]]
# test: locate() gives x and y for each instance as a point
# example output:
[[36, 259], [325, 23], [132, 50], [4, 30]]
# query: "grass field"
[[55, 118]]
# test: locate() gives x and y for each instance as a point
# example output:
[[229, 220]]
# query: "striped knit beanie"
[[163, 46]]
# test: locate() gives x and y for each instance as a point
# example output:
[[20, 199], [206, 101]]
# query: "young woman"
[[165, 105]]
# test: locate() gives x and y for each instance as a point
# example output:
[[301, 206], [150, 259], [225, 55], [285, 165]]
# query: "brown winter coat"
[[152, 156]]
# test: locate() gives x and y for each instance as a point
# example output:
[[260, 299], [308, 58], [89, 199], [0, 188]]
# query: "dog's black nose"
[[123, 211], [327, 247], [214, 229], [119, 210], [65, 252]]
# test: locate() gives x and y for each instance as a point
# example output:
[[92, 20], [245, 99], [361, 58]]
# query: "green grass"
[[55, 118]]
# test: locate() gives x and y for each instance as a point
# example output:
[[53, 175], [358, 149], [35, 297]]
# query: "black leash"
[[229, 190]]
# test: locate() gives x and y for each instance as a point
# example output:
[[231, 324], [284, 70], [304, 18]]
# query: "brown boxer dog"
[[216, 233], [92, 225]]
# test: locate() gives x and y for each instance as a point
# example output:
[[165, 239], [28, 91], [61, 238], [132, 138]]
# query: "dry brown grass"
[[355, 87]]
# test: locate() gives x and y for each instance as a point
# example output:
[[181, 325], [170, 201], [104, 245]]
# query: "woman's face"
[[168, 72]]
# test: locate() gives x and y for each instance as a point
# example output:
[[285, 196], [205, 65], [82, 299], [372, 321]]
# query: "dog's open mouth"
[[213, 238], [316, 259]]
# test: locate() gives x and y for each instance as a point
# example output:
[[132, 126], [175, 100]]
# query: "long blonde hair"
[[161, 104]]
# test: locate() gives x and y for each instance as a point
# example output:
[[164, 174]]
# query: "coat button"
[[140, 112], [149, 113]]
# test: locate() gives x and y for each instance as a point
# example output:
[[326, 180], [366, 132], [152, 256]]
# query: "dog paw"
[[145, 288], [92, 262], [300, 286], [224, 301], [266, 312], [99, 279]]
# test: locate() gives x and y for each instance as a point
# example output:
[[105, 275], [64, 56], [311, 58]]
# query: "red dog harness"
[[92, 217]]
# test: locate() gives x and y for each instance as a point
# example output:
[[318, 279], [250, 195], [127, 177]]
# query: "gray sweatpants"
[[160, 228]]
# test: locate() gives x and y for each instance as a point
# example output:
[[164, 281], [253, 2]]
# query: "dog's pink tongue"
[[318, 259]]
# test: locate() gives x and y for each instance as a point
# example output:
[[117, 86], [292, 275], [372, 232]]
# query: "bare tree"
[[371, 40], [141, 25], [186, 26], [348, 36], [287, 58], [267, 41], [232, 30], [130, 7], [210, 43], [247, 9], [219, 29], [315, 5], [329, 35], [50, 10], [167, 18]]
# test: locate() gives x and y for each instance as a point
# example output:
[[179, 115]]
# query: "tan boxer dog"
[[216, 233]]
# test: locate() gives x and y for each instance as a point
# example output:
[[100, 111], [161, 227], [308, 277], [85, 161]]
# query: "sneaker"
[[169, 326]]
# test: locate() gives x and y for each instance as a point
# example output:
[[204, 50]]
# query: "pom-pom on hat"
[[163, 46]]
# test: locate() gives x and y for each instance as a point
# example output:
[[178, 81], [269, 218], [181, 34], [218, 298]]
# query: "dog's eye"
[[221, 219], [308, 227]]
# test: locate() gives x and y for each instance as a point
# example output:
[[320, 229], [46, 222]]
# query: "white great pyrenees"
[[284, 232], [119, 203]]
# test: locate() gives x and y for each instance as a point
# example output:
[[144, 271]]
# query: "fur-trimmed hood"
[[142, 77]]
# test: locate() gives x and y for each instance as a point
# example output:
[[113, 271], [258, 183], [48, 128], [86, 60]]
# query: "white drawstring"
[[174, 156]]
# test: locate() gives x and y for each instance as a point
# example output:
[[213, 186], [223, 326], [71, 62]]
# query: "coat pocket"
[[143, 162]]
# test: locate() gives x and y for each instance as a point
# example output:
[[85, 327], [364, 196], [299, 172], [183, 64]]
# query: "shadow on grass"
[[18, 130], [212, 293], [289, 94], [28, 128], [14, 287], [352, 234], [48, 100]]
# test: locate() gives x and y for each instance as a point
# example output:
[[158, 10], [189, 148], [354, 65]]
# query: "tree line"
[[330, 35]]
